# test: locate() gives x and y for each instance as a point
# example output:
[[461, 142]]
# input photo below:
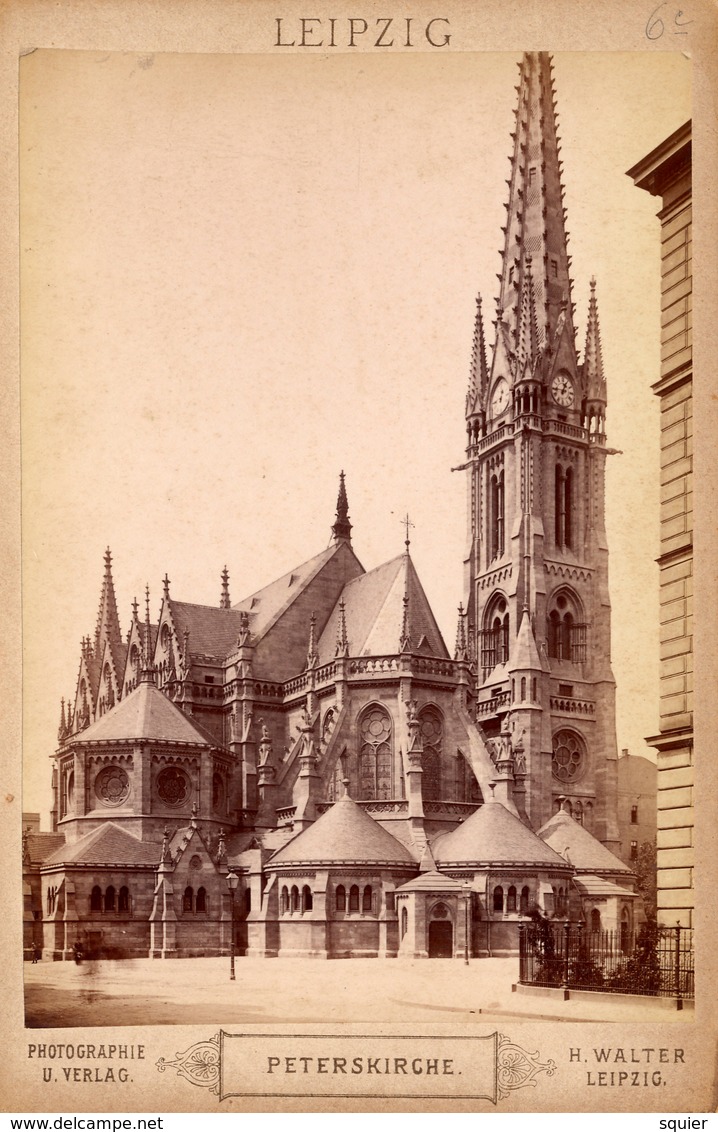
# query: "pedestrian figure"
[[35, 953], [77, 948]]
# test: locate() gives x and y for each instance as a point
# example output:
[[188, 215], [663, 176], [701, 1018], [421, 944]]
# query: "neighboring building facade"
[[666, 172], [374, 794], [636, 813]]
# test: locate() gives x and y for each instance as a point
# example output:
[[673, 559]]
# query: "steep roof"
[[344, 834], [41, 846], [266, 605], [583, 850], [212, 631], [145, 714], [374, 609], [110, 845], [493, 835]]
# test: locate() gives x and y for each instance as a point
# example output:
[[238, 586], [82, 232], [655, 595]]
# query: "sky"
[[242, 274]]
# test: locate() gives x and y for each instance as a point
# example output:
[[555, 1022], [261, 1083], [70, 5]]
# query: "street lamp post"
[[232, 882]]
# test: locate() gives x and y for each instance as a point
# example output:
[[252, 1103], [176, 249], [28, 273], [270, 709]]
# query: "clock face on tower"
[[562, 389], [499, 398]]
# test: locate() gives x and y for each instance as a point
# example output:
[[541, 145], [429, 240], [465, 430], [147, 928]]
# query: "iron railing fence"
[[654, 961]]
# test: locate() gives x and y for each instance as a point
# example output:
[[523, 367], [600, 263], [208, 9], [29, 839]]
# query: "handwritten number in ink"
[[656, 27]]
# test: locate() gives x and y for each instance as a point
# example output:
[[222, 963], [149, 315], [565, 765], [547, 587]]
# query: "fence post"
[[522, 954], [677, 965], [566, 935]]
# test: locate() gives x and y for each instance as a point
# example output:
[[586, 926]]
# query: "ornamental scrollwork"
[[515, 1067], [199, 1064]]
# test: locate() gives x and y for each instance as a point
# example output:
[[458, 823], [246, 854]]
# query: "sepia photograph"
[[357, 558]]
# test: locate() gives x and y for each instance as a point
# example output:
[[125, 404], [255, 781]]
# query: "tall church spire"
[[535, 229], [107, 629], [478, 373], [593, 376], [342, 528]]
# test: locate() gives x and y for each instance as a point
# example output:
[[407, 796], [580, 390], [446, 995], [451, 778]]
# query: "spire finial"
[[593, 375], [312, 657], [342, 528], [62, 729], [405, 640], [342, 641], [478, 373], [224, 602], [461, 651], [166, 587], [406, 523], [135, 609]]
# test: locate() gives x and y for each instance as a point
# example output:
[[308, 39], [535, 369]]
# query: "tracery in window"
[[432, 731], [566, 628], [569, 757], [375, 753]]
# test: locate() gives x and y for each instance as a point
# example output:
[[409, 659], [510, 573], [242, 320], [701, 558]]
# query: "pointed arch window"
[[524, 902], [567, 633], [123, 899], [511, 899], [341, 898], [366, 900], [354, 898], [96, 899], [188, 899], [307, 899], [201, 902], [495, 635], [376, 753], [294, 898], [498, 899], [496, 515], [404, 922], [110, 901], [284, 900], [432, 729]]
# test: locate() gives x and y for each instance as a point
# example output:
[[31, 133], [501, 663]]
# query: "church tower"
[[536, 569]]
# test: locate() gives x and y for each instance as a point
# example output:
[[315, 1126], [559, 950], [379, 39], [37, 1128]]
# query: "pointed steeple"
[[342, 528], [461, 651], [593, 375], [224, 602], [478, 373], [62, 729], [535, 224], [107, 629]]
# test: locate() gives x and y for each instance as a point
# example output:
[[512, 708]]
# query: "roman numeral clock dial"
[[562, 390]]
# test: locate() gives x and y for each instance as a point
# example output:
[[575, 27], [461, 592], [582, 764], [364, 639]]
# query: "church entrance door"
[[441, 939]]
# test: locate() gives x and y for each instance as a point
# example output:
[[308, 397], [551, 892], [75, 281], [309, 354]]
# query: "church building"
[[371, 792]]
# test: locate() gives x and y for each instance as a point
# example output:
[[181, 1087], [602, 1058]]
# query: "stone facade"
[[666, 173]]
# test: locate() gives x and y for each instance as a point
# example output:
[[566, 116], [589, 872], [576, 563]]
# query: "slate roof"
[[599, 886], [109, 845], [344, 834], [495, 836], [212, 631], [145, 714], [585, 852], [431, 882], [265, 606], [42, 845], [374, 609]]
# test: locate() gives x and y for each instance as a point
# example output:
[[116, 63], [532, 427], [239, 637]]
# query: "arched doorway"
[[441, 933]]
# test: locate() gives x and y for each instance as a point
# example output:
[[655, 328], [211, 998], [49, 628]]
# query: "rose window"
[[376, 727], [112, 786], [568, 756], [172, 786]]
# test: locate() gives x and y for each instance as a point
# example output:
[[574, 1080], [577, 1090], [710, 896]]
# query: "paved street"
[[151, 992]]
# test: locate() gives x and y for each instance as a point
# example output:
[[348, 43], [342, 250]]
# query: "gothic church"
[[373, 794]]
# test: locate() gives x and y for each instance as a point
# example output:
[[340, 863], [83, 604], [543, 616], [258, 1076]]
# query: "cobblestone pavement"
[[137, 992]]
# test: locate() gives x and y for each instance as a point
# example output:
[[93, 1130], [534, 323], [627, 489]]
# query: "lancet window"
[[432, 730], [376, 753]]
